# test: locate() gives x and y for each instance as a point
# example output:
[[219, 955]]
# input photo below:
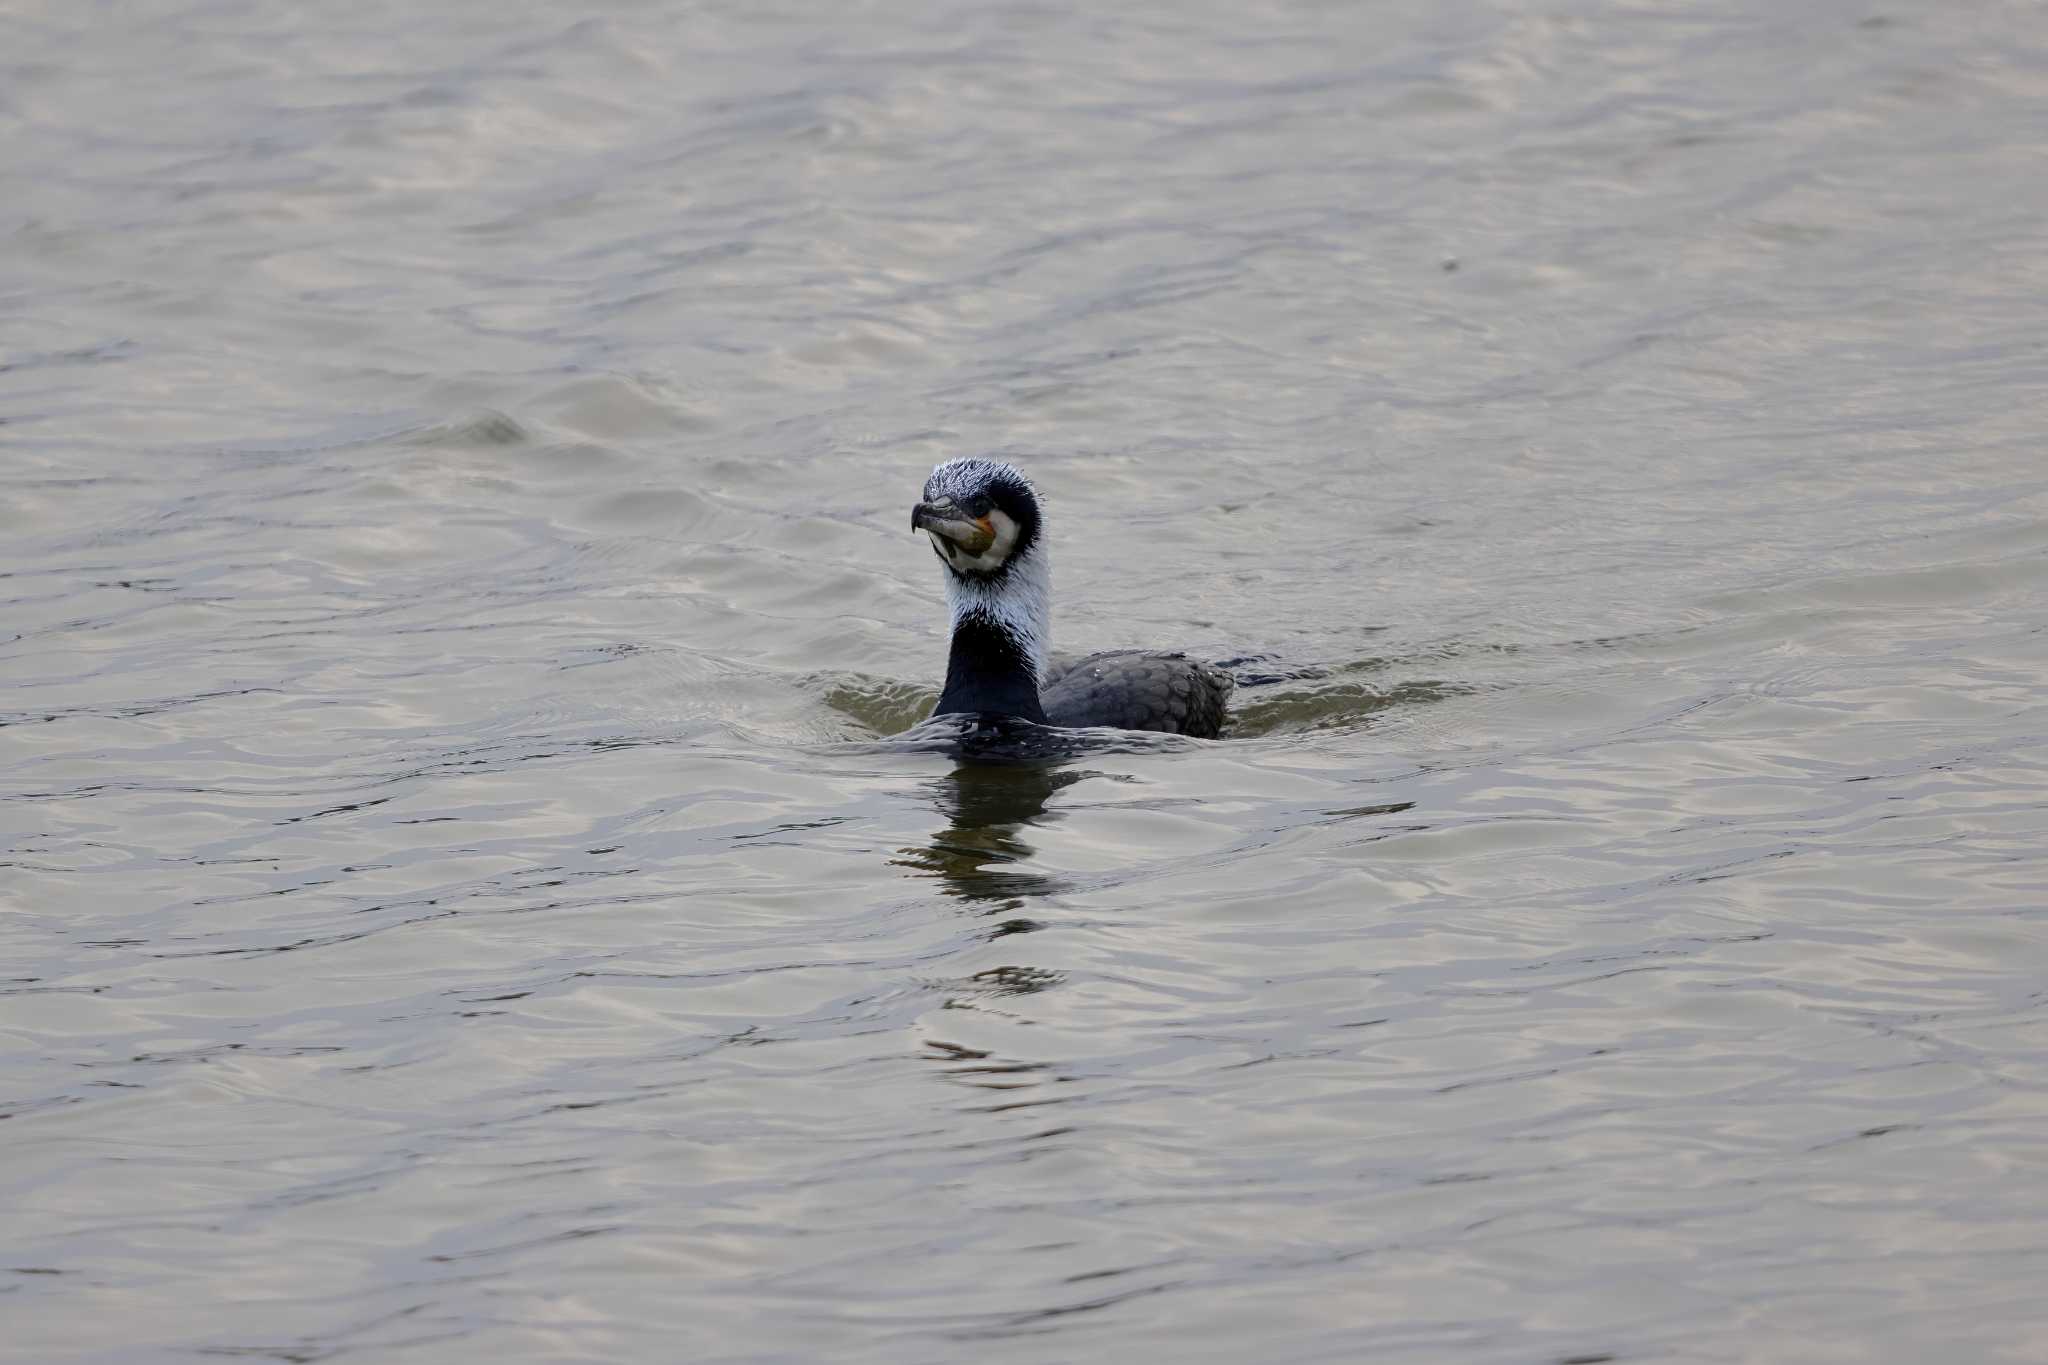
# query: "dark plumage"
[[1132, 689], [986, 528]]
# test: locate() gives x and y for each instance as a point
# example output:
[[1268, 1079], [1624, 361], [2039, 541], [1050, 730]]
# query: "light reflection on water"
[[475, 881]]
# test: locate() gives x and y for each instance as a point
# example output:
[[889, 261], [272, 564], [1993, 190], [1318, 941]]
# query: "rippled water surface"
[[464, 899]]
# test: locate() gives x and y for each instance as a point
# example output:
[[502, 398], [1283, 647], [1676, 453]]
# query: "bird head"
[[982, 517]]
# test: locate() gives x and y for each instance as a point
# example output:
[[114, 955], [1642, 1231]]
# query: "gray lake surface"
[[464, 899]]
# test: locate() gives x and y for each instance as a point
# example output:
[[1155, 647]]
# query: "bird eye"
[[977, 506]]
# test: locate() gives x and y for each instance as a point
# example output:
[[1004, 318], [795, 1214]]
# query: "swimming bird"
[[985, 526]]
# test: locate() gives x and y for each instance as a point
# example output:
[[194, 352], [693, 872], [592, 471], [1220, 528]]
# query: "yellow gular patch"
[[1004, 528]]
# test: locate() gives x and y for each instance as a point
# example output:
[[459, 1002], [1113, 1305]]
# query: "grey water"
[[465, 894]]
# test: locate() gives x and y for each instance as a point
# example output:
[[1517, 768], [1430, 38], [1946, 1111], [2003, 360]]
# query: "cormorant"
[[983, 519]]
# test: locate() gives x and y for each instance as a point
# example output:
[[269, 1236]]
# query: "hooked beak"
[[941, 518]]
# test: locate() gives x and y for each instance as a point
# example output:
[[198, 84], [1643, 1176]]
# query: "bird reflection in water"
[[974, 856], [987, 809]]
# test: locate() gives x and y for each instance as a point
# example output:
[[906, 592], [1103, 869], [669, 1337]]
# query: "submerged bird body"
[[985, 527]]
